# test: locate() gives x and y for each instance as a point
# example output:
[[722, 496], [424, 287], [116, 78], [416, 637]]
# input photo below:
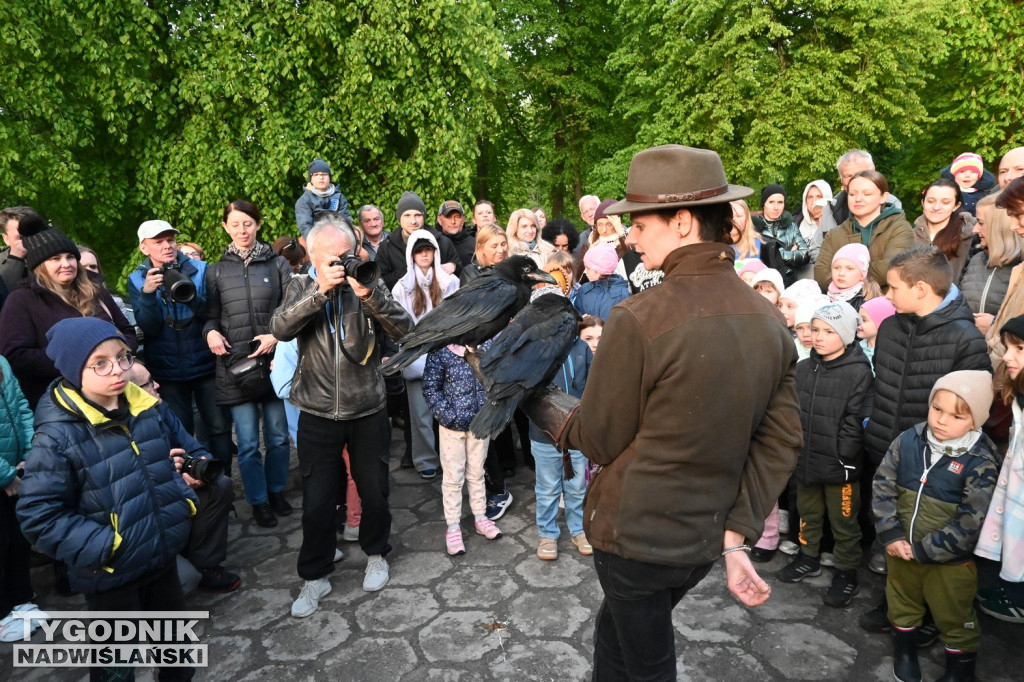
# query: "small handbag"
[[252, 376]]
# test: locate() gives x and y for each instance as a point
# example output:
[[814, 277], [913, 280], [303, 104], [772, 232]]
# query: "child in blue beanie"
[[100, 490]]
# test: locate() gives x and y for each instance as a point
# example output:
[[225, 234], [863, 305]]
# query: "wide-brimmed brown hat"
[[674, 176]]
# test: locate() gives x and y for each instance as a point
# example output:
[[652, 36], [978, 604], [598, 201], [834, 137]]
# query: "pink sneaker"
[[453, 540], [488, 529]]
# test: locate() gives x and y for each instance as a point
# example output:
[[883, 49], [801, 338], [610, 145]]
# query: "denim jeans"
[[259, 478], [179, 395], [551, 483], [633, 638], [421, 421]]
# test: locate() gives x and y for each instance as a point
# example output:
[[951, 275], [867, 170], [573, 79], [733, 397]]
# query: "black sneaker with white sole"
[[844, 586], [801, 567]]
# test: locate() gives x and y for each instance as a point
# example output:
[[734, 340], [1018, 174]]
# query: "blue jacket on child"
[[451, 389], [100, 493], [598, 298], [15, 424]]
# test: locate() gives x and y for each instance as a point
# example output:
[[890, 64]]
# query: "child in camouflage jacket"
[[930, 496]]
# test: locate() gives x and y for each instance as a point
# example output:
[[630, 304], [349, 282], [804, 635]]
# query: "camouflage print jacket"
[[938, 509]]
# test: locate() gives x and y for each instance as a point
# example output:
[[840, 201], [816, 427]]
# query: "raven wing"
[[471, 315]]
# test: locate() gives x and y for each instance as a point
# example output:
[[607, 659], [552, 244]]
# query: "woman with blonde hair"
[[491, 248], [746, 242], [57, 288], [524, 237], [987, 277]]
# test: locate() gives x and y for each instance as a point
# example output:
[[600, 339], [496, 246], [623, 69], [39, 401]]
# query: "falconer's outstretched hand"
[[742, 579]]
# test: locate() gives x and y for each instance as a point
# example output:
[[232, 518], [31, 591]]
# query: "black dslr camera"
[[178, 285], [205, 470], [365, 272]]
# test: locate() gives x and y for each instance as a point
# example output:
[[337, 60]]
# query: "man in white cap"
[[168, 294]]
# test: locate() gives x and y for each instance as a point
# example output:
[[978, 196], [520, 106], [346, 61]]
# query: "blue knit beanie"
[[73, 340]]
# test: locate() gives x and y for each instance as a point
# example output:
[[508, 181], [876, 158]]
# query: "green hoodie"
[[866, 231]]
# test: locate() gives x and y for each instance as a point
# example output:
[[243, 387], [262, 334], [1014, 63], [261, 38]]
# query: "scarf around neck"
[[836, 294], [323, 194], [953, 447], [247, 254]]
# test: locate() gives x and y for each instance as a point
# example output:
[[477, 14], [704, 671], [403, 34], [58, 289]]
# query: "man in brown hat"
[[695, 443]]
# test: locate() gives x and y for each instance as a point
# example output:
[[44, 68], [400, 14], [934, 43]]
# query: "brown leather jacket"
[[691, 409], [327, 382]]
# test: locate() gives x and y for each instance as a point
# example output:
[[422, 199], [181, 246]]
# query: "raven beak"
[[541, 276]]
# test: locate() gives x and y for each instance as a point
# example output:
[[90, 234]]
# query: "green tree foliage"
[[555, 99], [779, 88], [170, 109], [975, 99]]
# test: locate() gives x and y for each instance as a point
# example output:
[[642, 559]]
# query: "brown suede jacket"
[[691, 409]]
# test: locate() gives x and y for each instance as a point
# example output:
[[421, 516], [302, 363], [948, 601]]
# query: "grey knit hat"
[[840, 316], [42, 241], [318, 166], [410, 201]]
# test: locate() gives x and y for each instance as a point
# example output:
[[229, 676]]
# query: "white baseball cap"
[[154, 228]]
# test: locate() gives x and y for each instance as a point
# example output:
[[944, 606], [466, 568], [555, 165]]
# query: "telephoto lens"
[[177, 283], [205, 470], [365, 272]]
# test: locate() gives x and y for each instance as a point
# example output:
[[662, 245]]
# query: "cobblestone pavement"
[[498, 613]]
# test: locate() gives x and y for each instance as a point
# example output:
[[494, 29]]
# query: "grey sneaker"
[[309, 597], [377, 574]]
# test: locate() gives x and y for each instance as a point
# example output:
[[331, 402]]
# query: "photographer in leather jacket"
[[341, 398]]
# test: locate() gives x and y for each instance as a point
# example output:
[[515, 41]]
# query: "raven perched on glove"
[[474, 313], [526, 355]]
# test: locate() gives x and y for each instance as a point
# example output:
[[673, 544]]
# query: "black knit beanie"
[[1015, 325], [42, 242], [770, 190], [410, 201]]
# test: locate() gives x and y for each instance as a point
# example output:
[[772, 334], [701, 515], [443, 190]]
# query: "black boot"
[[905, 667], [279, 504], [264, 515], [959, 666], [877, 619]]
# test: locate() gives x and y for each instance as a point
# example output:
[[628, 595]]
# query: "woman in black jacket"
[[242, 291]]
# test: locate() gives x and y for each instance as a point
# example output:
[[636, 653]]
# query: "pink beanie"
[[878, 309], [753, 265], [967, 161], [857, 254], [602, 258]]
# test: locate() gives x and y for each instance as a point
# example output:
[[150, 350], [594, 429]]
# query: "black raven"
[[474, 313], [526, 355]]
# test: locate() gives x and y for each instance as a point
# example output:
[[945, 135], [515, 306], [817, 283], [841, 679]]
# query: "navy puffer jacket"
[[240, 300], [102, 494], [175, 347], [835, 397], [911, 354]]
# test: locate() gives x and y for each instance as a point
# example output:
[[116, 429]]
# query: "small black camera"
[[205, 470], [365, 272], [177, 283]]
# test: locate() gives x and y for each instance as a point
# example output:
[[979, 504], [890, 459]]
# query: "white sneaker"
[[309, 597], [788, 547], [12, 627], [828, 559], [377, 574], [338, 555], [783, 521], [350, 534]]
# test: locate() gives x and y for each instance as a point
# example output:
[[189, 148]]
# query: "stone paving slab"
[[498, 613]]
